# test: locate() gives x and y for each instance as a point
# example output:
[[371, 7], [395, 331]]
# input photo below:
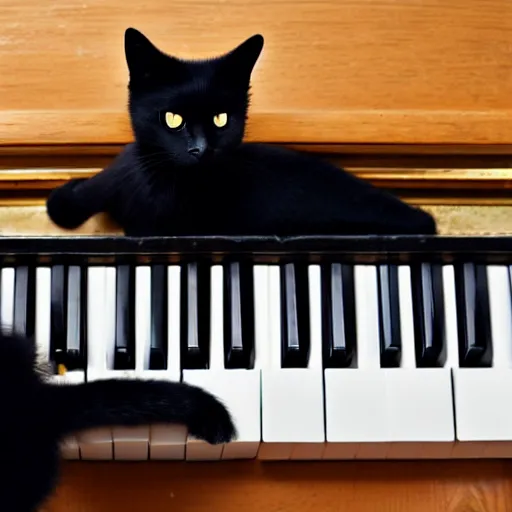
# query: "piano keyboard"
[[332, 348]]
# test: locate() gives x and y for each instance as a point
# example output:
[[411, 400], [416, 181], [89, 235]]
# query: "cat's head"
[[188, 111]]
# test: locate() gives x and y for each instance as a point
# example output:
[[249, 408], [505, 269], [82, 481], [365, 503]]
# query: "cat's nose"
[[199, 148], [197, 152]]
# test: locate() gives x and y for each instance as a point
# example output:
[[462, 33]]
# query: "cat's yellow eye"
[[173, 121], [220, 120]]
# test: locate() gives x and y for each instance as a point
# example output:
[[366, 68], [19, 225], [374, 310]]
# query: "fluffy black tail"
[[138, 402]]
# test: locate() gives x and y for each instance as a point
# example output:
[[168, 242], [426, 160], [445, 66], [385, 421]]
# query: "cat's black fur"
[[36, 415], [202, 180]]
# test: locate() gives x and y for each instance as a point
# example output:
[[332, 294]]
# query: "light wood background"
[[351, 71]]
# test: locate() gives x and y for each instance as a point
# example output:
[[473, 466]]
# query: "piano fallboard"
[[370, 249]]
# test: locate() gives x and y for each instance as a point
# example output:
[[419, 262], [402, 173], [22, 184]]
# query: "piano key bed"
[[322, 347]]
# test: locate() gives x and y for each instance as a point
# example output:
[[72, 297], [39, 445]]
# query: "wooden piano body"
[[413, 96]]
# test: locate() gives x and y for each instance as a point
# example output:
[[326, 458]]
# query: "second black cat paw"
[[63, 208], [211, 421]]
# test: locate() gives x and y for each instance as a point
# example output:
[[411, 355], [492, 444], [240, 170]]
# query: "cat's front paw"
[[62, 206], [211, 421]]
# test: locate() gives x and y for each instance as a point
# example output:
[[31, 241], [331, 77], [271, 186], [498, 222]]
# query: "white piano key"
[[238, 389], [69, 447], [142, 318], [274, 316], [97, 444], [273, 433], [461, 449], [408, 359], [167, 442], [355, 398], [367, 317], [43, 305], [500, 300], [312, 443], [245, 401], [261, 316], [110, 318], [450, 317], [132, 443], [419, 400], [100, 321], [173, 327], [7, 302], [483, 395], [292, 398], [196, 449]]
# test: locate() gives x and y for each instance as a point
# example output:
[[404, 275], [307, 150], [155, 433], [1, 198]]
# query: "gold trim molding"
[[482, 186]]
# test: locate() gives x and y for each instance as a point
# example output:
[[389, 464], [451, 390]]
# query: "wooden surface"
[[367, 71], [31, 220], [465, 486]]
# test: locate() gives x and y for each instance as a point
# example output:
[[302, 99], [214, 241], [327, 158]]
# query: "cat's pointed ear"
[[145, 61], [242, 59]]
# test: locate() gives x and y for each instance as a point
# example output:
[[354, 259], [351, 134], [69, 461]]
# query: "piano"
[[368, 374], [328, 348]]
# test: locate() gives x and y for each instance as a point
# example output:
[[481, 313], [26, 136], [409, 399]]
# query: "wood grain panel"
[[366, 71], [463, 486], [380, 126]]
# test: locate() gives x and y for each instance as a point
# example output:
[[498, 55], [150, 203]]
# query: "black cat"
[[36, 415], [188, 172]]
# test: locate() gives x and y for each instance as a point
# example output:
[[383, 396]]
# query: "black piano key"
[[233, 345], [24, 300], [75, 357], [473, 315], [238, 316], [58, 316], [389, 316], [195, 316], [124, 354], [295, 336], [428, 314], [338, 315], [247, 309], [158, 352]]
